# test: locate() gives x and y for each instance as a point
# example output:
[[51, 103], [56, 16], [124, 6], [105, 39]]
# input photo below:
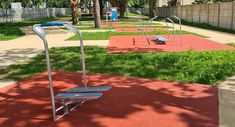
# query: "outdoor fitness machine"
[[63, 103], [151, 25], [163, 40]]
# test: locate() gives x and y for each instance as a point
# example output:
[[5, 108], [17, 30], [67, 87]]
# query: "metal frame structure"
[[163, 39], [173, 27], [151, 25], [181, 35], [75, 96]]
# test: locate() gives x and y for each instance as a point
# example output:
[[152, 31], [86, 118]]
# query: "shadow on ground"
[[8, 57], [135, 102]]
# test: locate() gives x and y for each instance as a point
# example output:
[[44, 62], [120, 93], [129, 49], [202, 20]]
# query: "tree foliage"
[[58, 3], [24, 3]]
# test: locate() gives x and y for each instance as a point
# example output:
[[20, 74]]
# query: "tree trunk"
[[96, 13], [101, 8], [152, 8], [122, 8], [74, 10]]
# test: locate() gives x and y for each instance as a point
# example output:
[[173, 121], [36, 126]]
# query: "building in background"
[[162, 3]]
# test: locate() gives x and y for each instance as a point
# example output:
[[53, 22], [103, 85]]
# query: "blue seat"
[[89, 89]]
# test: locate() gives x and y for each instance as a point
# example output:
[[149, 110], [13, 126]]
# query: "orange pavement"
[[132, 102], [136, 43]]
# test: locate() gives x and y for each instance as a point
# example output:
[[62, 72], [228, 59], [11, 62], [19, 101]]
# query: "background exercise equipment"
[[161, 39]]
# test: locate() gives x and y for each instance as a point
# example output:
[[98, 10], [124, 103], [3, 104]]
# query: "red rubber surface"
[[140, 44], [132, 102], [136, 29], [115, 24]]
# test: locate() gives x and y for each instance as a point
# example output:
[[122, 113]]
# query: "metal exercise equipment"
[[151, 25], [173, 28], [161, 39], [63, 103]]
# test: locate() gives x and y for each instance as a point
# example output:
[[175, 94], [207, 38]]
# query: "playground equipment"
[[163, 40], [151, 25], [63, 103]]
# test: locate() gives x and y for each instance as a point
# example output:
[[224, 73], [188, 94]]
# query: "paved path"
[[227, 103], [25, 47], [216, 36]]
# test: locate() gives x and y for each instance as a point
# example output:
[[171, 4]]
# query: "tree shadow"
[[131, 102], [8, 57]]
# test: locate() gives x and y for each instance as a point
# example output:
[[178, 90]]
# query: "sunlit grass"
[[191, 66]]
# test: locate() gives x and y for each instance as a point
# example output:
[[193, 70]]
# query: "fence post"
[[232, 16], [218, 16], [192, 10], [208, 13], [200, 13], [181, 11], [186, 12]]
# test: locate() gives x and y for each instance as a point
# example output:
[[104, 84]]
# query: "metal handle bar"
[[172, 26], [181, 36], [37, 28]]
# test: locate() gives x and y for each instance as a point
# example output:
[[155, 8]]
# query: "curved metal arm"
[[177, 18], [173, 25], [37, 28], [151, 25]]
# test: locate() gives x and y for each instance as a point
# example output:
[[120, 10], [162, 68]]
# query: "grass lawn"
[[198, 67], [231, 44], [207, 26], [137, 15], [10, 31], [106, 35]]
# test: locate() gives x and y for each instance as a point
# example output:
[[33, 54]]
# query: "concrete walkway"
[[227, 103], [21, 49], [216, 36]]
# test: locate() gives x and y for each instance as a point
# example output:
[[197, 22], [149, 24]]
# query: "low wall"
[[11, 15], [221, 15]]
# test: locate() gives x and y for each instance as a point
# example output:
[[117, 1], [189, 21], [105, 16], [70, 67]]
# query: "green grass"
[[10, 31], [137, 15], [231, 44], [106, 35], [81, 27], [198, 67], [207, 26]]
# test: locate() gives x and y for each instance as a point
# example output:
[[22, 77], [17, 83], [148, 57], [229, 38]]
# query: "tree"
[[122, 8], [97, 13], [5, 3], [152, 8], [74, 10], [57, 3]]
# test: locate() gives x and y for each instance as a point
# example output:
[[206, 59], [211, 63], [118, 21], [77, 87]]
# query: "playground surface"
[[115, 24], [136, 29], [27, 103], [142, 44]]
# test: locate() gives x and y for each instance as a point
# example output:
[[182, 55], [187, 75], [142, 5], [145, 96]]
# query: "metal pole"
[[173, 25], [50, 79], [167, 29], [83, 58], [181, 36], [152, 26]]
